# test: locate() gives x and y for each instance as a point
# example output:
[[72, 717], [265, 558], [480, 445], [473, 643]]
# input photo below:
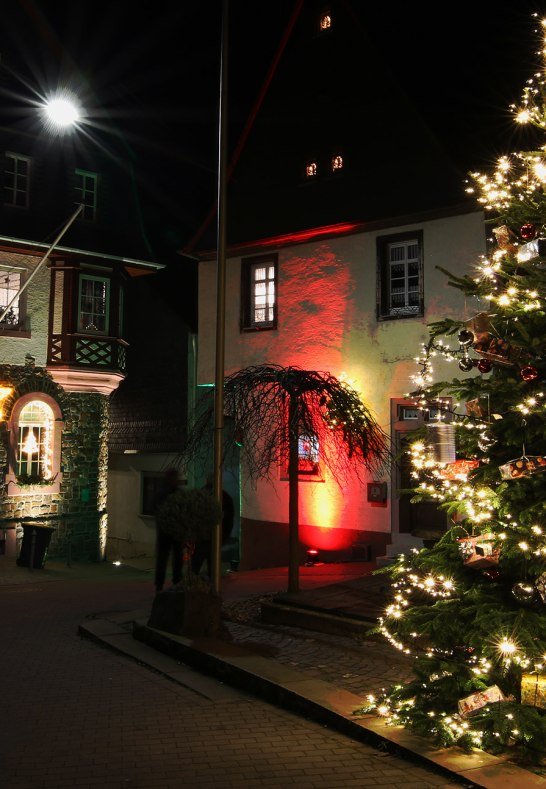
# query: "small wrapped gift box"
[[479, 552], [493, 348], [459, 470], [476, 701], [533, 690], [525, 466]]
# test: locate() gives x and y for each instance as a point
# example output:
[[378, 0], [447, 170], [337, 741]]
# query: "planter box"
[[191, 612]]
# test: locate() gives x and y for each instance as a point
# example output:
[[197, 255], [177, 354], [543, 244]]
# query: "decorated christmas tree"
[[471, 609]]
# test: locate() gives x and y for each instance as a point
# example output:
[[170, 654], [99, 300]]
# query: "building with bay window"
[[63, 346]]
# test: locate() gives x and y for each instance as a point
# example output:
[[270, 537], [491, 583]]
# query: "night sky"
[[150, 71]]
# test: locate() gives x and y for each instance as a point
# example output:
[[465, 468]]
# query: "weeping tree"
[[275, 407]]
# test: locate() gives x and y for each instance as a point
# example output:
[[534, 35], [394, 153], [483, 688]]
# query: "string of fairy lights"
[[518, 178]]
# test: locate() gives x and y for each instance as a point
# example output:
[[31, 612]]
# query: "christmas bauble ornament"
[[465, 337], [528, 373], [524, 593], [527, 231], [484, 366], [492, 574], [540, 586], [466, 364]]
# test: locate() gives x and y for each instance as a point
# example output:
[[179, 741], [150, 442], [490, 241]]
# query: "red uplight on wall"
[[312, 557]]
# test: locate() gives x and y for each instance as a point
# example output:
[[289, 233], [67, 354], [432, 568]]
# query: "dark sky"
[[150, 71]]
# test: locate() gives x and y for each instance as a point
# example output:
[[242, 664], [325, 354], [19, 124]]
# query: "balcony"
[[87, 362]]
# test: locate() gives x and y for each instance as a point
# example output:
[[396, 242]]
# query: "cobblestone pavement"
[[360, 666], [77, 715]]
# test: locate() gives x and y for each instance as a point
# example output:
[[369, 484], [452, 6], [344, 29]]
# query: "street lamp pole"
[[216, 558]]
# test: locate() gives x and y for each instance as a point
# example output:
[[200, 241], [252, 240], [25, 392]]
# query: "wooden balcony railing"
[[93, 351]]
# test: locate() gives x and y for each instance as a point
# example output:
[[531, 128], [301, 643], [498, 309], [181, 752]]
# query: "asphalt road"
[[76, 715]]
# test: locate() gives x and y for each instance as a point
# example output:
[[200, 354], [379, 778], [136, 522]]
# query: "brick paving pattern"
[[77, 715]]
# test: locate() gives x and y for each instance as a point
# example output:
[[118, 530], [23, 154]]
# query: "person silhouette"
[[165, 544]]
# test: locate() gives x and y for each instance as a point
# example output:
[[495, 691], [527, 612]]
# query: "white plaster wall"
[[131, 534], [14, 349], [327, 321]]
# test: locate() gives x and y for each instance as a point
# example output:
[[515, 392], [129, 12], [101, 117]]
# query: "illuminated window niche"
[[308, 459], [311, 170], [337, 163], [325, 21], [34, 457]]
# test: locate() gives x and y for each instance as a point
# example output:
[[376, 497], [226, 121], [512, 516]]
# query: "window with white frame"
[[400, 276], [34, 456], [86, 193], [10, 284], [16, 179], [93, 304], [35, 441], [259, 292]]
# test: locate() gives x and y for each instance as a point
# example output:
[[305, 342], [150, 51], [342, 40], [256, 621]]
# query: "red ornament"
[[528, 373], [484, 366], [528, 232]]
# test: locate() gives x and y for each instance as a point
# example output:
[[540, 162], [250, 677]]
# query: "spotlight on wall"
[[312, 557]]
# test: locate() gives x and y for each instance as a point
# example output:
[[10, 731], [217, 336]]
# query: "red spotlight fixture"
[[312, 557]]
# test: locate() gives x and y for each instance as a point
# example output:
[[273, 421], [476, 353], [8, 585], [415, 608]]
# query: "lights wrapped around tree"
[[525, 466], [479, 552], [441, 440]]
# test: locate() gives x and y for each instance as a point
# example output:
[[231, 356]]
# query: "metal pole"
[[293, 497], [216, 558], [42, 261]]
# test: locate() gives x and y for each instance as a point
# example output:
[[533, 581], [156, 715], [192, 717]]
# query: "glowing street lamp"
[[62, 111]]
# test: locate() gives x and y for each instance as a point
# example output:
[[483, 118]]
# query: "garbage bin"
[[36, 539]]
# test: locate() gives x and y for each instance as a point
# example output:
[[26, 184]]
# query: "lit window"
[[325, 22], [35, 441], [308, 459], [35, 428], [259, 292], [86, 194], [337, 163], [10, 284], [311, 170], [400, 278], [94, 296], [16, 180], [308, 454]]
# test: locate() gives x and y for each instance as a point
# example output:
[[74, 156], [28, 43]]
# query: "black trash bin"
[[36, 539]]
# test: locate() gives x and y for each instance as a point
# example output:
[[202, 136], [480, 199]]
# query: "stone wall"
[[78, 511]]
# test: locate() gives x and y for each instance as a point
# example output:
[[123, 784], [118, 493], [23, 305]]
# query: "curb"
[[295, 691]]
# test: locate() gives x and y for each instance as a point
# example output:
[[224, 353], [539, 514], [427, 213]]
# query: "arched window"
[[35, 444]]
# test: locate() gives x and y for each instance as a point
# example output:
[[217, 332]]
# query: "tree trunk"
[[293, 510]]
